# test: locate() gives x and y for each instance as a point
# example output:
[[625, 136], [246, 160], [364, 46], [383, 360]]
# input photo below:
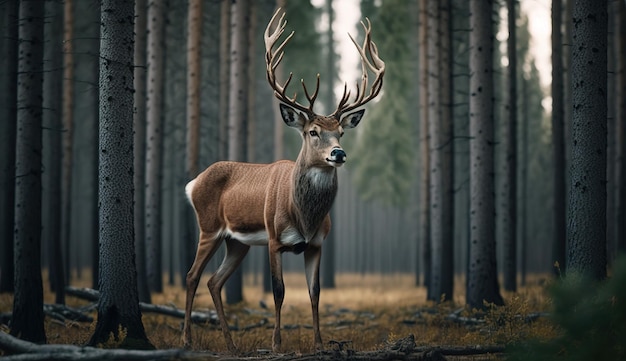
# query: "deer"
[[283, 205]]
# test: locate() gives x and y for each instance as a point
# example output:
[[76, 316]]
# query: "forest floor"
[[361, 316]]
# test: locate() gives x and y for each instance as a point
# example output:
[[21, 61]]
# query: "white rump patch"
[[189, 189]]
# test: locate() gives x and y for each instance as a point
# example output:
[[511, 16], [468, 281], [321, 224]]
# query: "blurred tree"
[[587, 201], [118, 307], [558, 140], [424, 149], [383, 168], [441, 145], [68, 127], [330, 71], [154, 143], [139, 139], [194, 36], [8, 111], [482, 284], [27, 320], [53, 123], [508, 203], [238, 103], [194, 71], [224, 77]]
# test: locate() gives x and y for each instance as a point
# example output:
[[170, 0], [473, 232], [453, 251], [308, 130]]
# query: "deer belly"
[[250, 238]]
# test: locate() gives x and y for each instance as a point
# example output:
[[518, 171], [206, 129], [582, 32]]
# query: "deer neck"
[[314, 191]]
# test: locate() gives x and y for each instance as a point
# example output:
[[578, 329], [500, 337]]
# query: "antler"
[[273, 58], [376, 66]]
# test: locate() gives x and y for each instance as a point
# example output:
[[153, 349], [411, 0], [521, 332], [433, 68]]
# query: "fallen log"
[[196, 316], [16, 349]]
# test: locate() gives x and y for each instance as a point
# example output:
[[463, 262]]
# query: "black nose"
[[338, 155]]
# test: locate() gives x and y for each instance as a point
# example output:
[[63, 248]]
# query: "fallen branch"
[[196, 316], [64, 313], [24, 350]]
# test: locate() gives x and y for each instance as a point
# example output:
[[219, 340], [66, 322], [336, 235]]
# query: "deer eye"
[[313, 133]]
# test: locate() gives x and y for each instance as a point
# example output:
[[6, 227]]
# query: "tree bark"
[[27, 321], [119, 301], [7, 146], [154, 144], [139, 139], [482, 285], [587, 203]]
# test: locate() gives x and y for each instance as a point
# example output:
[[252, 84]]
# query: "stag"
[[283, 205]]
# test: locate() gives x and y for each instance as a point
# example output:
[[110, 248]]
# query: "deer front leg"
[[278, 288], [312, 256], [235, 252]]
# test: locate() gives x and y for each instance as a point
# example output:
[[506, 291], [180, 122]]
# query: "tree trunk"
[[224, 80], [139, 139], [482, 285], [524, 199], [68, 125], [424, 201], [154, 144], [27, 320], [509, 191], [558, 142], [237, 113], [329, 248], [119, 302], [53, 122], [587, 206], [194, 36], [436, 145], [8, 92], [447, 153], [620, 120]]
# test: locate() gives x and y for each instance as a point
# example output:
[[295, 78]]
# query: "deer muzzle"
[[337, 156]]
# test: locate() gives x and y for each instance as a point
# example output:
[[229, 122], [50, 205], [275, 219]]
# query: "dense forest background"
[[418, 128]]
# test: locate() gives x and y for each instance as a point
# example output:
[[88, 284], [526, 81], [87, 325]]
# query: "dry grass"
[[367, 311]]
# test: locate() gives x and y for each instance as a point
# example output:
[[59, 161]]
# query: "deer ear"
[[352, 120], [291, 117]]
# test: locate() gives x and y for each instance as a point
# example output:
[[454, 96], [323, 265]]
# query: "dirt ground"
[[364, 317]]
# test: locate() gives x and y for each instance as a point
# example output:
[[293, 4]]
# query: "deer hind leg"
[[235, 253], [208, 244], [278, 288], [312, 256]]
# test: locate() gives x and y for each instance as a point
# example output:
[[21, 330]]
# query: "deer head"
[[321, 133]]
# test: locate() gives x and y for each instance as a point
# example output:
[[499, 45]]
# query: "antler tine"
[[376, 66], [273, 59]]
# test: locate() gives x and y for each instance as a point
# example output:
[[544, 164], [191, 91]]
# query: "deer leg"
[[312, 256], [235, 252], [278, 288], [209, 243]]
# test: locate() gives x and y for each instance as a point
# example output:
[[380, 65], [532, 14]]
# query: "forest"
[[480, 212]]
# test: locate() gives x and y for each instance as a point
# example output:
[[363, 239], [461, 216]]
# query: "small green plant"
[[591, 317]]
